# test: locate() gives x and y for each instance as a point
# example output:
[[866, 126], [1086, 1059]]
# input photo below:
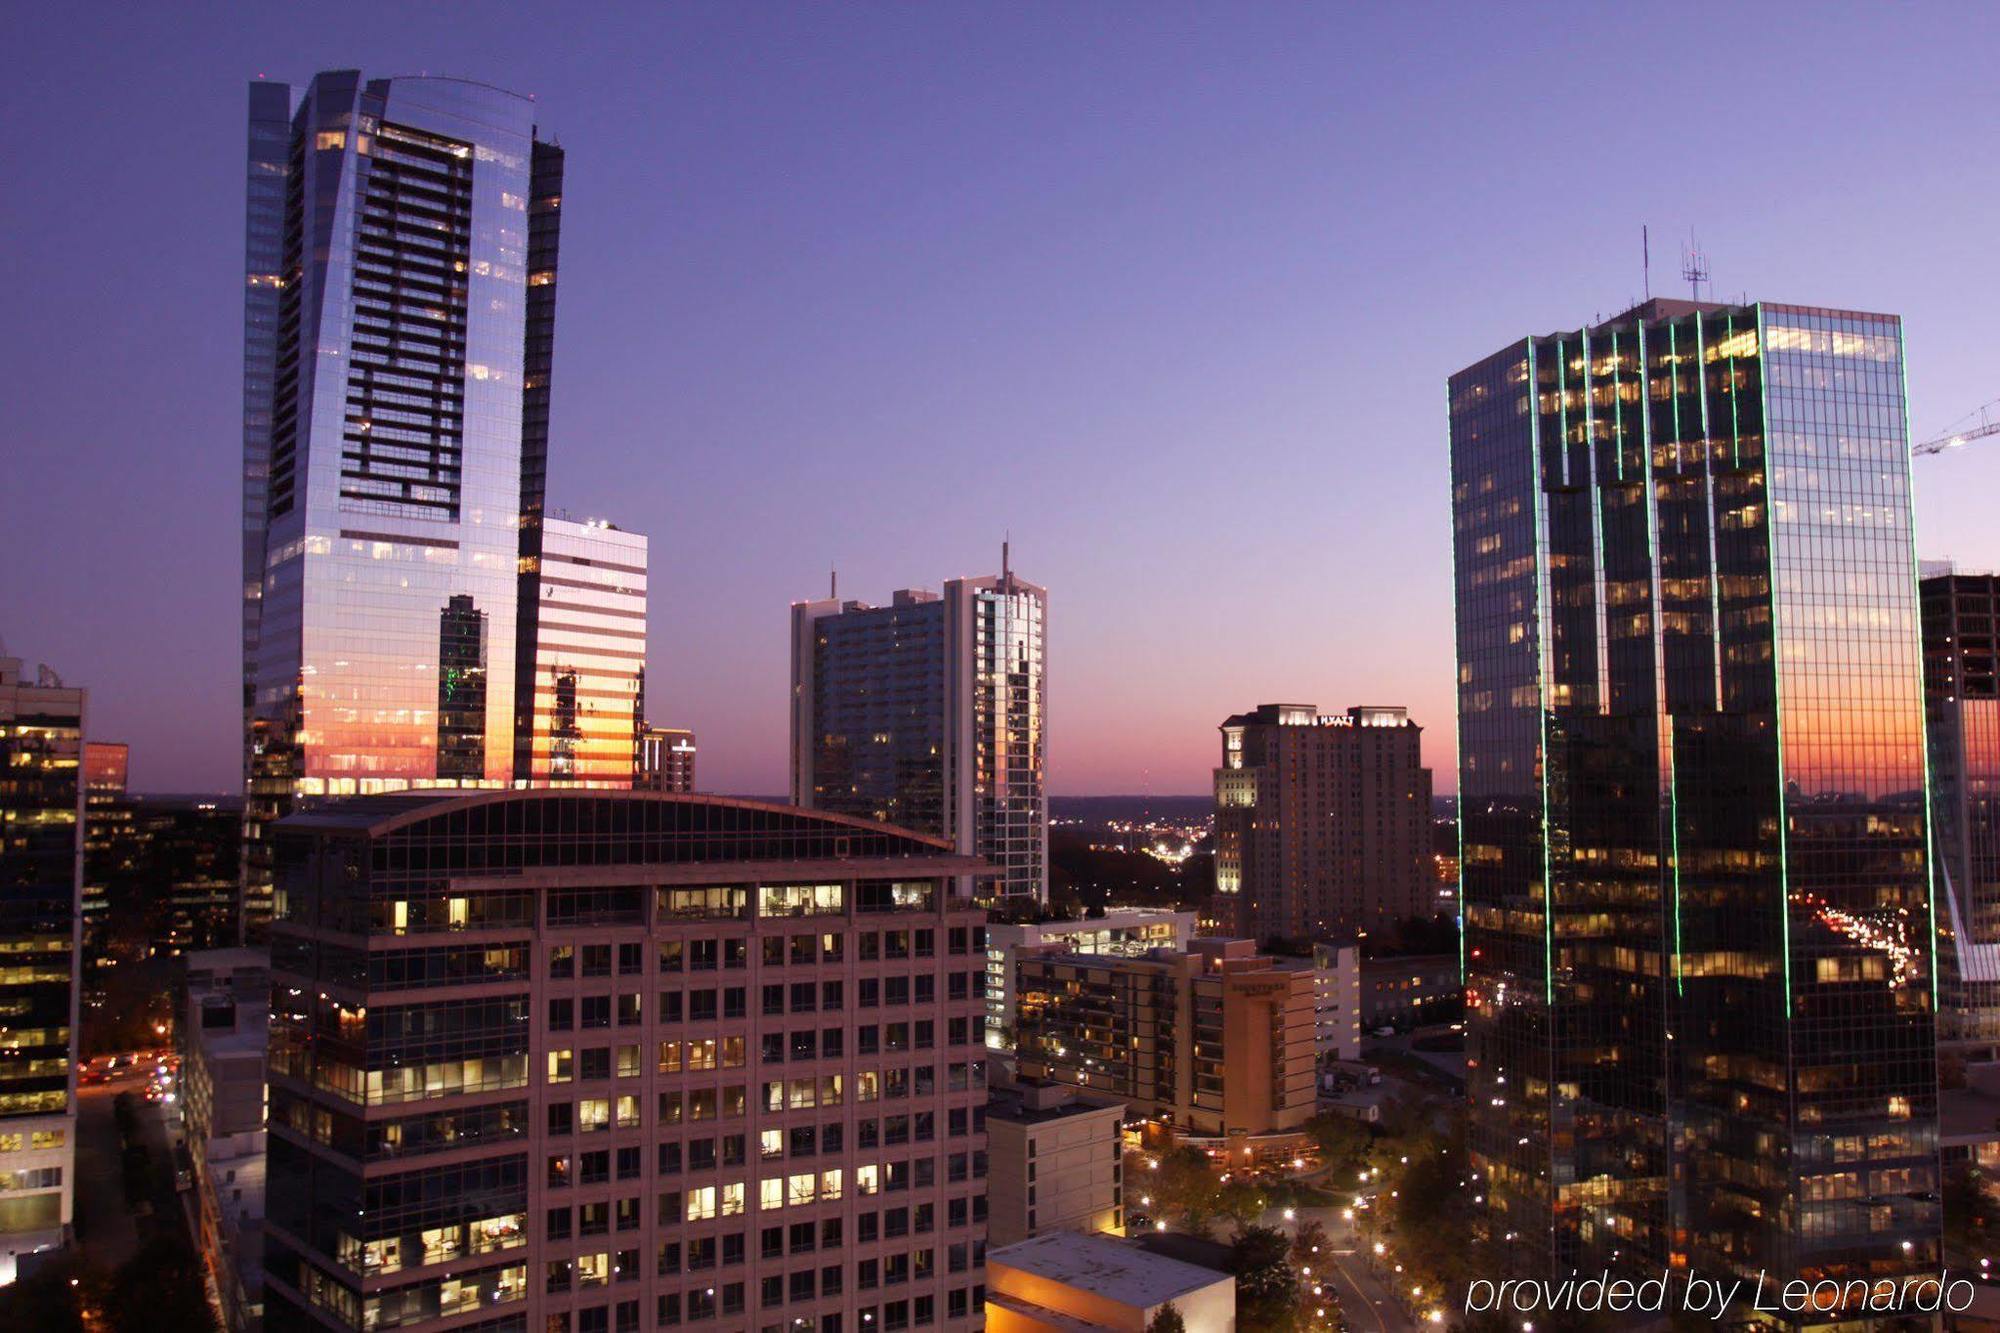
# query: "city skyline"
[[1194, 276]]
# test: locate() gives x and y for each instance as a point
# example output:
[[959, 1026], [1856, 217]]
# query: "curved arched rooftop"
[[571, 831]]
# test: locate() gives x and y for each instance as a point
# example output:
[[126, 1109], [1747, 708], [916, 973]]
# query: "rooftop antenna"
[[1694, 267], [1646, 258], [833, 585], [1005, 577]]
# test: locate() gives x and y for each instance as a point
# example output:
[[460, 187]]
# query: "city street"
[[109, 1231], [1363, 1296]]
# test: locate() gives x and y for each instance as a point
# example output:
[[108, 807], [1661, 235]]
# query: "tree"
[[1970, 1214], [1241, 1203], [53, 1298], [1309, 1240], [1186, 1189], [159, 1290], [1267, 1286], [1343, 1143], [1168, 1320]]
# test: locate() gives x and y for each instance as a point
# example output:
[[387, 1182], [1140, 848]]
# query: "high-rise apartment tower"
[[930, 713]]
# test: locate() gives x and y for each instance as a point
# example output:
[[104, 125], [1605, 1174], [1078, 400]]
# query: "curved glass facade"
[[387, 478]]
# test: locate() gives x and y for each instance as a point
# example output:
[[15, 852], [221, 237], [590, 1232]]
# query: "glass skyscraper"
[[400, 267], [928, 714], [1696, 872]]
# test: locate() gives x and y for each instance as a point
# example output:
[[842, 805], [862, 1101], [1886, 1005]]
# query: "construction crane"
[[1989, 424]]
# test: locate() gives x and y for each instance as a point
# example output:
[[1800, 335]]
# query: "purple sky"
[[1169, 295]]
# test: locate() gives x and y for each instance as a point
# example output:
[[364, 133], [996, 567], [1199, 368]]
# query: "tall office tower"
[[41, 894], [666, 760], [928, 713], [617, 1060], [584, 697], [400, 264], [1323, 822], [1962, 700], [1697, 944]]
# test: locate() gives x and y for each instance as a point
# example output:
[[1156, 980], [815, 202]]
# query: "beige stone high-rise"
[[1322, 822]]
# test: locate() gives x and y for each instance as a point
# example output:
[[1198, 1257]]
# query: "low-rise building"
[[1216, 1041], [1067, 1283], [1056, 1163], [1122, 932], [224, 1030], [1408, 991]]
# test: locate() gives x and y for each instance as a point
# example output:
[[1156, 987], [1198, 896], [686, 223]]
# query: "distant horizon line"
[[182, 793]]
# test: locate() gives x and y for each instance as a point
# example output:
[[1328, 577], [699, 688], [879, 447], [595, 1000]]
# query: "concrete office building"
[[1323, 823], [1057, 1163], [1697, 879], [1063, 1283], [666, 760], [1121, 932], [224, 1030], [41, 897], [929, 713], [618, 1060], [1215, 1041]]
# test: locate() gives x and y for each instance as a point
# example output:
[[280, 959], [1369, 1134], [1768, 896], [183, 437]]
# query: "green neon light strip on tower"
[[1777, 672], [1543, 655], [1673, 747], [1542, 650], [1457, 721], [1923, 712], [1674, 850]]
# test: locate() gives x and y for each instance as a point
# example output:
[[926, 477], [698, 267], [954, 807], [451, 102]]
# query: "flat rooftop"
[[1015, 1111], [1114, 1269]]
